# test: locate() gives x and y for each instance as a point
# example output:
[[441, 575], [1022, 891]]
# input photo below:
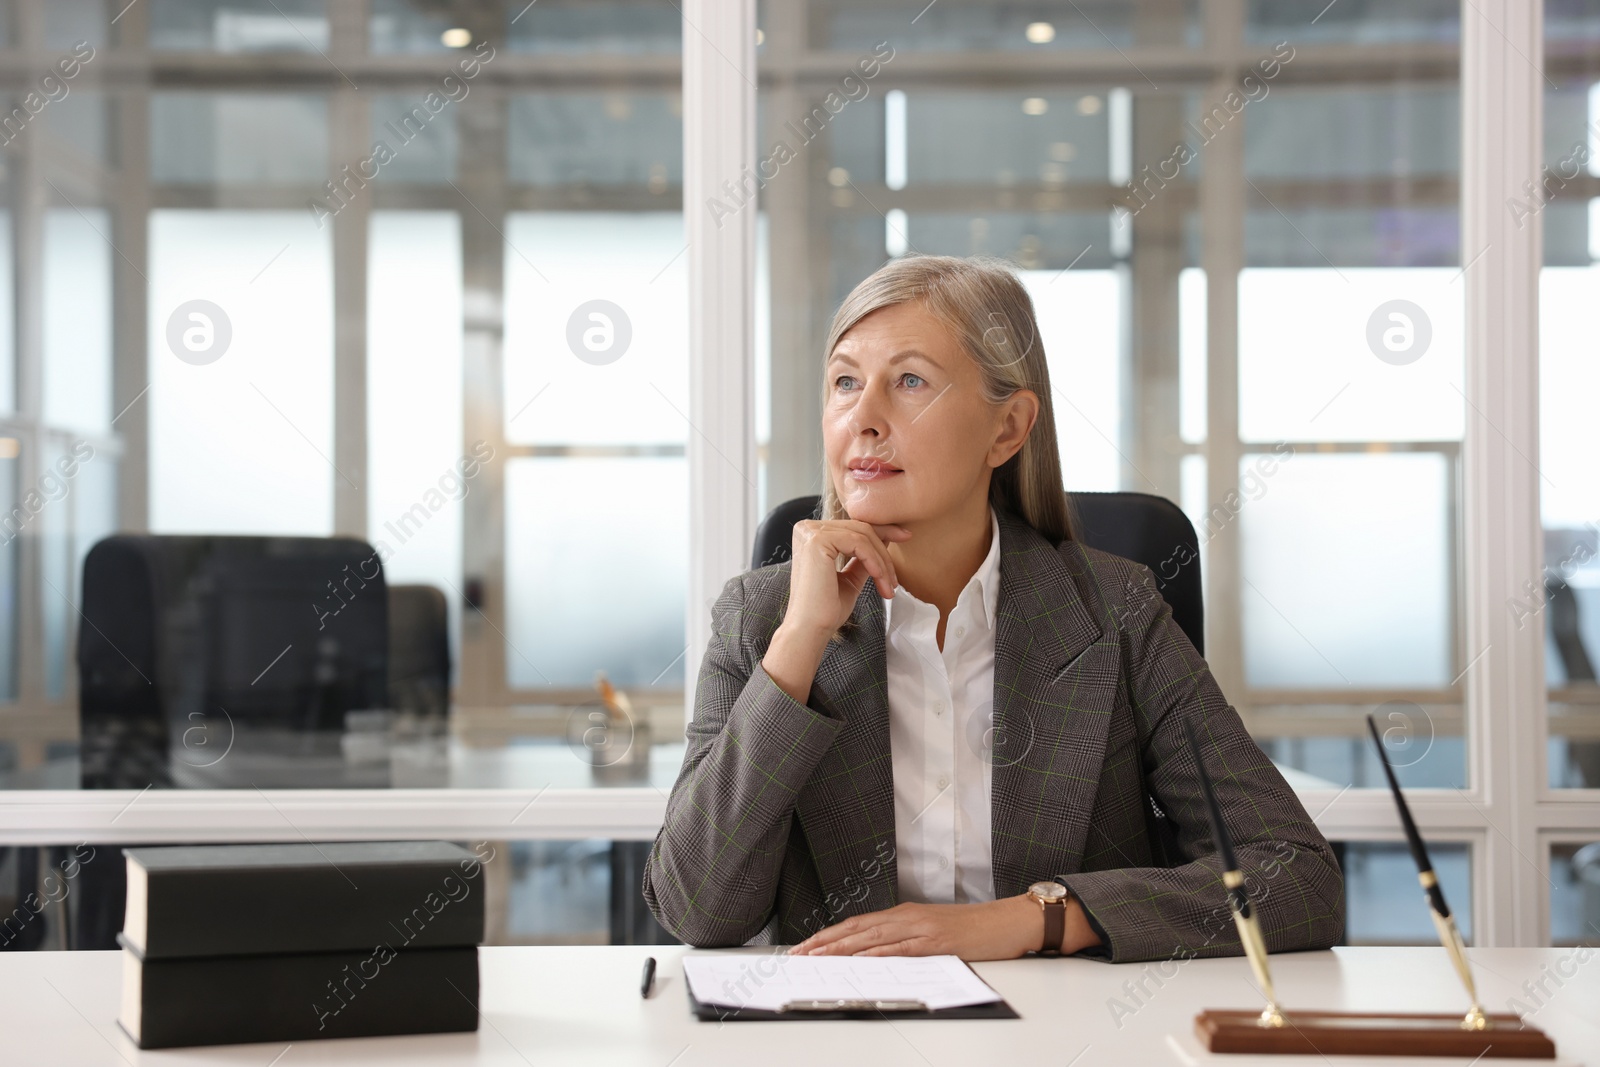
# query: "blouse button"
[[943, 862], [961, 631]]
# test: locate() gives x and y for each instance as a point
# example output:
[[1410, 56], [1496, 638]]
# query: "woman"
[[940, 727]]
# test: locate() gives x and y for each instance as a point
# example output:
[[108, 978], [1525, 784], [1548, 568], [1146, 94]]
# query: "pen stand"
[[617, 750], [1337, 1033]]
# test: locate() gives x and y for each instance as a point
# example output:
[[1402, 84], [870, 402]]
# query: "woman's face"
[[907, 431]]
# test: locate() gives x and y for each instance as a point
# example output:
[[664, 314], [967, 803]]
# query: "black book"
[[241, 900], [300, 996]]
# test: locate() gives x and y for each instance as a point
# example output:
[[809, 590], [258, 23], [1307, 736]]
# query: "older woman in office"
[[940, 727]]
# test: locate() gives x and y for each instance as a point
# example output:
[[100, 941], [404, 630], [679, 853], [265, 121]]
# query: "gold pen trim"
[[1456, 949], [1255, 950]]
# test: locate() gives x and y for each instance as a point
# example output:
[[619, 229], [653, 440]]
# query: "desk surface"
[[581, 1006]]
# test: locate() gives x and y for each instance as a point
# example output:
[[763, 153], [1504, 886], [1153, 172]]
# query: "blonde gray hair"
[[984, 305]]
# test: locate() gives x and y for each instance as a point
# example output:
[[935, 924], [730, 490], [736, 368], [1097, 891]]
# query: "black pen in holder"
[[1250, 937], [1443, 921]]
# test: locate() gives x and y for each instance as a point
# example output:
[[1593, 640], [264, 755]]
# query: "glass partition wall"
[[417, 273], [1564, 599]]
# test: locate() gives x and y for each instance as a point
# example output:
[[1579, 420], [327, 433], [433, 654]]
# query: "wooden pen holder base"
[[1370, 1034]]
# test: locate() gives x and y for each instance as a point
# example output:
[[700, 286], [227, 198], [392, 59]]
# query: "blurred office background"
[[224, 312]]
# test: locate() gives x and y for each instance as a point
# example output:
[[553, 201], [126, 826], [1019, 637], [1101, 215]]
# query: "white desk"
[[544, 1006]]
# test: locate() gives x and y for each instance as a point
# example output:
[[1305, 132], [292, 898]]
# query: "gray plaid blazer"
[[782, 819]]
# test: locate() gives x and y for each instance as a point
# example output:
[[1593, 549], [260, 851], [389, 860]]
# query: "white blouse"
[[941, 726]]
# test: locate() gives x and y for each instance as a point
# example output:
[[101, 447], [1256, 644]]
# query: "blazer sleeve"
[[712, 875], [1291, 876]]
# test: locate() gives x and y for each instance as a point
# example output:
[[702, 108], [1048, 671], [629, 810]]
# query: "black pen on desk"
[[1443, 922], [648, 979]]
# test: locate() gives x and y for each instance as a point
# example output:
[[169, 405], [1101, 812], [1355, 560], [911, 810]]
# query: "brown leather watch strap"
[[1055, 925]]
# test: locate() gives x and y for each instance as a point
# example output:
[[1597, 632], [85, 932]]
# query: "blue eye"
[[844, 381], [912, 380]]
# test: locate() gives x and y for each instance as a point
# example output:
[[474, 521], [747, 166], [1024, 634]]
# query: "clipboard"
[[836, 1010]]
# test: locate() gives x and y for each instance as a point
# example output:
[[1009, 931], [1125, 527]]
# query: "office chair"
[[287, 632], [419, 651], [1139, 526], [186, 639]]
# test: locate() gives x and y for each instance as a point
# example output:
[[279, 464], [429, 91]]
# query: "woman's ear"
[[1018, 413]]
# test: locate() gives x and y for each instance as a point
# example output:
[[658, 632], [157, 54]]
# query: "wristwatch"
[[1052, 899]]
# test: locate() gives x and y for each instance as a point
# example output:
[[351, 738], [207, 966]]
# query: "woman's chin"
[[878, 512]]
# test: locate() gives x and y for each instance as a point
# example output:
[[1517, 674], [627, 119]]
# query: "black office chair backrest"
[[279, 631], [419, 650], [1142, 527]]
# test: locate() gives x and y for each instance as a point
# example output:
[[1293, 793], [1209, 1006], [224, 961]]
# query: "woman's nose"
[[868, 415]]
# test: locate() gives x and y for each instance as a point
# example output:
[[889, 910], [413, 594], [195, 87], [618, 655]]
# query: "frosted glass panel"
[[1366, 131], [402, 26], [416, 475], [1192, 499], [1080, 315], [1382, 903], [1568, 605], [596, 556], [56, 589], [1346, 569], [597, 329], [238, 138], [8, 322], [238, 25], [1355, 354], [1569, 378], [589, 139], [1575, 894], [10, 541], [67, 22], [1192, 321], [244, 443], [77, 319], [94, 511], [425, 145], [1003, 141], [763, 362]]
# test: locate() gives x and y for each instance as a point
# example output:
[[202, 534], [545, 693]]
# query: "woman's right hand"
[[821, 596]]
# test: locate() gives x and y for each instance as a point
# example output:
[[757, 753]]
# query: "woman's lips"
[[872, 474]]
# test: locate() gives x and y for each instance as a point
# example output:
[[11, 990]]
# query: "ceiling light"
[[1040, 33], [1089, 105], [456, 37], [1035, 105], [838, 177]]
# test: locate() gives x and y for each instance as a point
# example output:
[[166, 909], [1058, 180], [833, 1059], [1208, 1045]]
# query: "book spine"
[[228, 912], [304, 996]]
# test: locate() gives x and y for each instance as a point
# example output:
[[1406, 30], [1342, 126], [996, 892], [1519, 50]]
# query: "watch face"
[[1048, 890]]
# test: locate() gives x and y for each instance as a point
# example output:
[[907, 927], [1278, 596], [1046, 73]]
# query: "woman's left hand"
[[997, 930]]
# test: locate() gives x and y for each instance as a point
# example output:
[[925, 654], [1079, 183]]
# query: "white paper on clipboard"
[[769, 982]]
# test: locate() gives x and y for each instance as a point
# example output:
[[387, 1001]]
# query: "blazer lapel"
[[1055, 682], [847, 807]]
